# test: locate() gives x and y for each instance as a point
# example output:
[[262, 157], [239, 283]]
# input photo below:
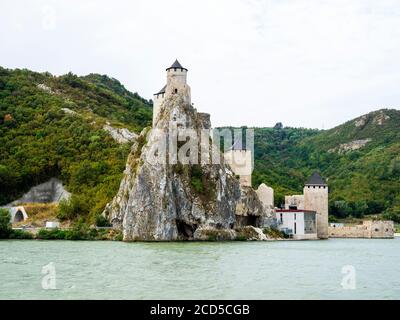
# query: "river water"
[[195, 270]]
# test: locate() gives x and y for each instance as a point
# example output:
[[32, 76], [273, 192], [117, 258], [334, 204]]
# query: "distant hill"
[[52, 127]]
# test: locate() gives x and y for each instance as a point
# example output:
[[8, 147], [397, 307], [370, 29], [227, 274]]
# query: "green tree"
[[5, 224]]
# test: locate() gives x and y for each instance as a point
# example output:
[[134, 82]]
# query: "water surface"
[[212, 270]]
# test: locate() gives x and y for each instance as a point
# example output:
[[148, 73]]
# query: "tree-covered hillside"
[[360, 161], [52, 126]]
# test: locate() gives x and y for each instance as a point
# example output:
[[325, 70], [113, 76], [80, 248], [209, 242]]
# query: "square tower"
[[316, 199]]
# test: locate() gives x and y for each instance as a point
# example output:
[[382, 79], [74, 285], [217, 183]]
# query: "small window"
[[281, 217], [176, 91], [376, 230], [295, 216]]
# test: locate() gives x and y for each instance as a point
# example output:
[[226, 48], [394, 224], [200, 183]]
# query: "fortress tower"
[[176, 83], [241, 163], [316, 199]]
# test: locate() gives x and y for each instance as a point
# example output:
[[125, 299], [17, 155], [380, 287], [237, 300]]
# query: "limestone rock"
[[380, 118], [69, 111], [251, 233], [50, 191], [213, 234], [121, 135], [249, 210], [163, 201]]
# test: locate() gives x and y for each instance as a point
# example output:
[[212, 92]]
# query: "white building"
[[314, 198], [300, 224], [52, 224]]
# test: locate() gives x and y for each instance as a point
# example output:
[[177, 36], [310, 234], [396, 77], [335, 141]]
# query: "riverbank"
[[83, 232]]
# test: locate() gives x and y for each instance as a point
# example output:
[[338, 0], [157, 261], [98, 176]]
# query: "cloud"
[[308, 63]]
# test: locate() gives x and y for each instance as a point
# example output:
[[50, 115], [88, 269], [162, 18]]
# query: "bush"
[[20, 234], [196, 175], [332, 218], [72, 208], [80, 231], [101, 221], [275, 233], [53, 234], [5, 224], [392, 214]]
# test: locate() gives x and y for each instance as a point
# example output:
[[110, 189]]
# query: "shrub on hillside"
[[5, 224]]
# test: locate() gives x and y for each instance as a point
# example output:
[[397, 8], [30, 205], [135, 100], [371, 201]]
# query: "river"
[[196, 270]]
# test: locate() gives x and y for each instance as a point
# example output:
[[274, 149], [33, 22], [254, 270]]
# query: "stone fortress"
[[167, 193], [160, 202]]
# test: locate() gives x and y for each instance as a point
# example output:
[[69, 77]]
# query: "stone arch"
[[18, 217]]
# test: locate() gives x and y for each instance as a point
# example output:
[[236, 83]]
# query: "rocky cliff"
[[162, 201]]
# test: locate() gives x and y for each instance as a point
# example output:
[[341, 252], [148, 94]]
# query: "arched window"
[[175, 90]]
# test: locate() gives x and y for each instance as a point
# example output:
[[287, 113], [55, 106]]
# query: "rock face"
[[120, 135], [351, 146], [50, 191], [159, 201]]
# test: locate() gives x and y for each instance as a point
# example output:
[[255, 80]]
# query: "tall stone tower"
[[316, 199], [176, 83]]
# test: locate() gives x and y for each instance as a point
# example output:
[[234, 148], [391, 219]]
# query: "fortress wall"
[[266, 195], [296, 200], [368, 230], [240, 162]]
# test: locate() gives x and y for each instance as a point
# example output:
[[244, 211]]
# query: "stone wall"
[[368, 229], [294, 200], [241, 163]]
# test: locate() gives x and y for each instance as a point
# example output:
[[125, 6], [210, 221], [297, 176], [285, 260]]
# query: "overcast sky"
[[306, 63]]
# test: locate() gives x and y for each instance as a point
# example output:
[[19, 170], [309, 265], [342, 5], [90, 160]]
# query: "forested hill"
[[52, 126], [359, 159]]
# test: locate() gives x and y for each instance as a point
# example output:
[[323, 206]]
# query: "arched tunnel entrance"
[[19, 216]]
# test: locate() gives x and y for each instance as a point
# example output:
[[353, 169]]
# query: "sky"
[[305, 63]]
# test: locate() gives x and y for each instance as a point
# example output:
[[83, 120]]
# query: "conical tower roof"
[[316, 180], [176, 65]]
